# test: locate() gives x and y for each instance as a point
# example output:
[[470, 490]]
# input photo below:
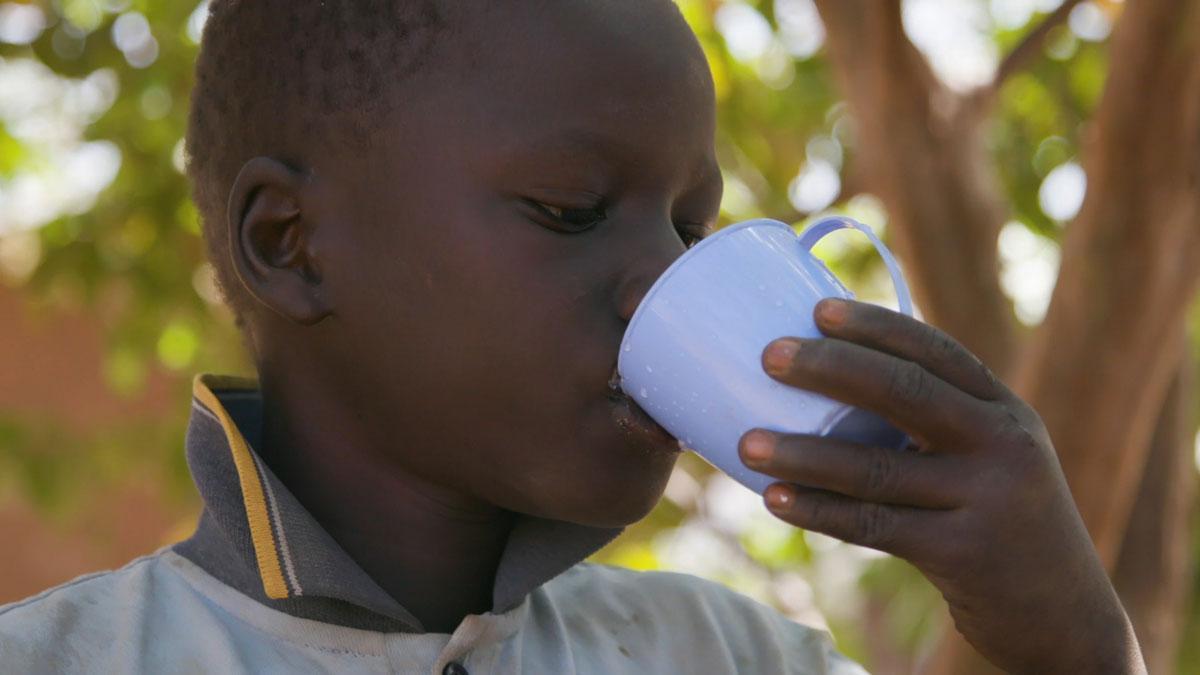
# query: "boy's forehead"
[[571, 63], [520, 19], [621, 34], [582, 78], [502, 44]]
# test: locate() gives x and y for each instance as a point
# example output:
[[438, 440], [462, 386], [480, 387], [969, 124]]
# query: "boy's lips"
[[636, 422]]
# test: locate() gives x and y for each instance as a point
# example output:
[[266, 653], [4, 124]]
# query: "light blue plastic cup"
[[692, 354]]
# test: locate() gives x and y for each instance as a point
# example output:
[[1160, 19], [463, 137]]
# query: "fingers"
[[903, 392], [899, 530], [907, 338], [883, 475]]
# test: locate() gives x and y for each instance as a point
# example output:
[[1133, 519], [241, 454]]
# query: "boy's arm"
[[982, 509]]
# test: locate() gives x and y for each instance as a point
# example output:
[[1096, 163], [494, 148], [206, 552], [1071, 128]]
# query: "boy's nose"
[[644, 271]]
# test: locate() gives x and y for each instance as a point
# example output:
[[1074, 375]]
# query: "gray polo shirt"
[[261, 587]]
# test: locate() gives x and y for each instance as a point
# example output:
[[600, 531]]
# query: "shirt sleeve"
[[760, 635], [716, 629]]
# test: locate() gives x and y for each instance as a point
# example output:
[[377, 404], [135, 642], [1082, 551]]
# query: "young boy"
[[434, 220]]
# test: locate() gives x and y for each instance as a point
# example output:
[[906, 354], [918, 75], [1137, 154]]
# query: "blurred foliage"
[[134, 257], [43, 462]]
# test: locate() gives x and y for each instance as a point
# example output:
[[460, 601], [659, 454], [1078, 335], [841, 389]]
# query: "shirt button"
[[455, 668]]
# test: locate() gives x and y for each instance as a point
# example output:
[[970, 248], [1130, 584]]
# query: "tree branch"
[[1099, 367], [1020, 56], [1112, 338], [982, 100], [931, 170], [1153, 572]]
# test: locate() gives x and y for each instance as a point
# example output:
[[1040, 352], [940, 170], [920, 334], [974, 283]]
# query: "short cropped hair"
[[272, 73]]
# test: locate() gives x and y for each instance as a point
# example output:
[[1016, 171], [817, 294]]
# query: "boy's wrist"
[[1082, 628], [1107, 646], [1121, 657]]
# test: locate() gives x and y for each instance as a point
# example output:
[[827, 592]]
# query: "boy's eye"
[[572, 219]]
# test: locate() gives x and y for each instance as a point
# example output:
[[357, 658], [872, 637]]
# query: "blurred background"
[[1033, 163]]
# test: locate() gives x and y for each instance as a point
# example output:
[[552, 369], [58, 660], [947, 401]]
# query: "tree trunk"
[[917, 151], [1114, 333], [1098, 368], [1154, 570]]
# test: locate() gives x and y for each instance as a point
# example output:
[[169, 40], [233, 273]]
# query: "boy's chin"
[[610, 518], [612, 508]]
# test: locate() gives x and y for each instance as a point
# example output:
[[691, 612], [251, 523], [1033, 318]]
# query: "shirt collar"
[[255, 535]]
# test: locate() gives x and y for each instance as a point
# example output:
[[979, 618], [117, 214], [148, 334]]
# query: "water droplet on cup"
[[643, 393], [649, 369], [779, 303], [762, 287], [628, 347]]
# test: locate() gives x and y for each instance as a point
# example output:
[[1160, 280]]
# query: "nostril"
[[628, 304]]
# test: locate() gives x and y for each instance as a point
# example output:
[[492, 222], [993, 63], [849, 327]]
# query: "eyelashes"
[[578, 219], [571, 220]]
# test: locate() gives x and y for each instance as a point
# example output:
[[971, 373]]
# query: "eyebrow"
[[583, 140], [607, 148]]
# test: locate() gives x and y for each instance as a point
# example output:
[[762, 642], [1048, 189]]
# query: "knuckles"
[[939, 345], [997, 390], [1022, 434], [881, 476], [873, 526], [909, 385], [862, 523]]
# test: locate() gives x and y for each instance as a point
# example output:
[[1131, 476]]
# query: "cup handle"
[[818, 230]]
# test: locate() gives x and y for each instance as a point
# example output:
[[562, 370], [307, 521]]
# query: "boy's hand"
[[982, 508]]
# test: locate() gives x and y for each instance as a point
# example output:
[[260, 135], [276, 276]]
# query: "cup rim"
[[678, 262]]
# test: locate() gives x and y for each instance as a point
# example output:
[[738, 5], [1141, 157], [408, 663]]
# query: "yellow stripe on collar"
[[252, 488]]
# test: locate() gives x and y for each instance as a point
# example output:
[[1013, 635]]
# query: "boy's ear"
[[270, 241]]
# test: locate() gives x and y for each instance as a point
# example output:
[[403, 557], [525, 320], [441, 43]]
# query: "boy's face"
[[474, 332]]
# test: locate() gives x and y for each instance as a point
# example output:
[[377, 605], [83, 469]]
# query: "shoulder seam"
[[5, 609], [259, 627]]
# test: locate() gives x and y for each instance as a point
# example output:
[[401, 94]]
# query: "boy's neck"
[[431, 551]]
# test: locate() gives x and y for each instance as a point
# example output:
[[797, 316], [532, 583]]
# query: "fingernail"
[[833, 312], [757, 447], [779, 497], [779, 356]]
